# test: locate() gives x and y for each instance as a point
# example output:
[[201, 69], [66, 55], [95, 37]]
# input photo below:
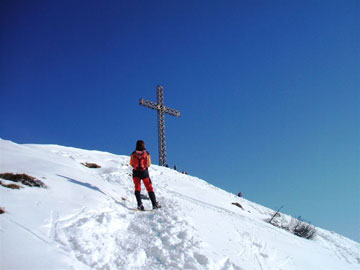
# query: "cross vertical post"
[[162, 110], [161, 126]]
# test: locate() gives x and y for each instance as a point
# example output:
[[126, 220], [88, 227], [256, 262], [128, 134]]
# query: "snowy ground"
[[81, 221]]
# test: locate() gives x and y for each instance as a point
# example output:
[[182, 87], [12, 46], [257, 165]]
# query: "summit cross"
[[162, 109]]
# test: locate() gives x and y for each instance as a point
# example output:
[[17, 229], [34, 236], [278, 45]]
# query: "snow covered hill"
[[84, 220]]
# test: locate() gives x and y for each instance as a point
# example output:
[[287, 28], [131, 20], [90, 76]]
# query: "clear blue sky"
[[268, 90]]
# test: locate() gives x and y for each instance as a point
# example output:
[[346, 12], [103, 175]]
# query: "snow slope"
[[81, 221]]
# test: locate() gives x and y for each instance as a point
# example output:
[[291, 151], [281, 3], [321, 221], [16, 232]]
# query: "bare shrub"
[[304, 229], [297, 226], [280, 221]]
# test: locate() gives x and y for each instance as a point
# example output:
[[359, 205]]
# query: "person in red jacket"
[[140, 160]]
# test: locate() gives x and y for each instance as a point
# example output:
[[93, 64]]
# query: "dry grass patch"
[[12, 186], [91, 165], [23, 178], [238, 205]]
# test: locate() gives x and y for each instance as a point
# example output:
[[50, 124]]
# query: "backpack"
[[140, 160]]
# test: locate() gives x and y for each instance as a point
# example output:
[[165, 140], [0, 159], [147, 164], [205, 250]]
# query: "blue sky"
[[268, 91]]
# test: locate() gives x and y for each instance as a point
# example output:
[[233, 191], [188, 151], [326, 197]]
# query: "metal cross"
[[162, 109]]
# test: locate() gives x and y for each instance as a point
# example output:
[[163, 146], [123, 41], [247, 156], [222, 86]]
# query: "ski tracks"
[[247, 245], [335, 243], [264, 256]]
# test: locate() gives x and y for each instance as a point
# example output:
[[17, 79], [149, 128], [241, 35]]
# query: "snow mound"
[[84, 219]]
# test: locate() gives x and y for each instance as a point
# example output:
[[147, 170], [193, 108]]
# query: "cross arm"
[[149, 104], [172, 112]]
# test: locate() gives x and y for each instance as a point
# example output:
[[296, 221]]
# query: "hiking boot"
[[138, 199], [156, 205]]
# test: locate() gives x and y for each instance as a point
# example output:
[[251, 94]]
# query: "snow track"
[[114, 238]]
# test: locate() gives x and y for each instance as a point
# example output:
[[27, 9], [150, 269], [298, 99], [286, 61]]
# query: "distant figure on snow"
[[239, 194], [140, 161]]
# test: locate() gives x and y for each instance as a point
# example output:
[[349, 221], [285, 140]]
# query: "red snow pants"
[[147, 183]]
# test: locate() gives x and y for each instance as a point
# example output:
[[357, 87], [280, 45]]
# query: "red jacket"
[[140, 173]]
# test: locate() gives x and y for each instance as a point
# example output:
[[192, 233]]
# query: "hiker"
[[140, 161], [239, 194]]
